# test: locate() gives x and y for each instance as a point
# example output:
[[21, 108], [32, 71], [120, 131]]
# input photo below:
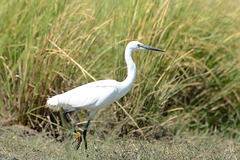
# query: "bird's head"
[[134, 46]]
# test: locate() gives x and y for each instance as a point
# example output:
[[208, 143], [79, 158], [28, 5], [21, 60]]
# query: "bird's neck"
[[131, 70]]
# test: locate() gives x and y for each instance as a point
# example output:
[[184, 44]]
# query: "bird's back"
[[89, 96]]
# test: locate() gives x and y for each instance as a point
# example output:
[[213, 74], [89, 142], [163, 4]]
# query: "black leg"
[[65, 115], [68, 120], [86, 127], [85, 133], [79, 137]]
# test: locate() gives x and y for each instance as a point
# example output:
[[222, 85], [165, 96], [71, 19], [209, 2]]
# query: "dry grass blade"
[[185, 54], [140, 130], [66, 55]]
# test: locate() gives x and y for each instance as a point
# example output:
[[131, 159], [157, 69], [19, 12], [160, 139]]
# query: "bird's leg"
[[65, 115], [72, 124], [79, 136], [85, 131]]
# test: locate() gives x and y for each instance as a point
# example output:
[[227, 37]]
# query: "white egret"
[[95, 95]]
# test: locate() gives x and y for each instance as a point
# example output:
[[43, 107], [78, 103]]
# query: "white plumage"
[[95, 95], [89, 96]]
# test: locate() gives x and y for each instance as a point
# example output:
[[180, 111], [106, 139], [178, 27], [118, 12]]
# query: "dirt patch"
[[19, 142]]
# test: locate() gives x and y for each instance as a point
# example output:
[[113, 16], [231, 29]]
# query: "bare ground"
[[19, 142]]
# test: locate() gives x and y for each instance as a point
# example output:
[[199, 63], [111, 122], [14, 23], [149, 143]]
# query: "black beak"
[[151, 48]]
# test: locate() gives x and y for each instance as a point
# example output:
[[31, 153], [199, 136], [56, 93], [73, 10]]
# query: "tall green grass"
[[195, 86]]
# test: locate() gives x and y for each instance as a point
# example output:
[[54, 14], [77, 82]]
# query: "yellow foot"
[[79, 137]]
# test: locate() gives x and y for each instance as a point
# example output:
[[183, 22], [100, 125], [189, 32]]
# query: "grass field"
[[18, 142], [49, 47]]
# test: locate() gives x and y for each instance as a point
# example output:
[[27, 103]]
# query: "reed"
[[49, 47]]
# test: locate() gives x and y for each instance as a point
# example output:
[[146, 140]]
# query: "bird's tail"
[[53, 103]]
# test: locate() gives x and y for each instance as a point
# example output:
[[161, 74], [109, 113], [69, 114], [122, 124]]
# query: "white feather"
[[95, 95], [89, 96]]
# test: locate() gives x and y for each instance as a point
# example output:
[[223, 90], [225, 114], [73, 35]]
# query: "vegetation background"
[[49, 47]]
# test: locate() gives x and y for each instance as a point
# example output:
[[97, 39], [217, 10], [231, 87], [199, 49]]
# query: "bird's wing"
[[89, 96]]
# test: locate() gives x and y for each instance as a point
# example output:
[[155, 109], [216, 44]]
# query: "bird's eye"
[[139, 45]]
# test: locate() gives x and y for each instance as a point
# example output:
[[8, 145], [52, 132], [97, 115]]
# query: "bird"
[[95, 95]]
